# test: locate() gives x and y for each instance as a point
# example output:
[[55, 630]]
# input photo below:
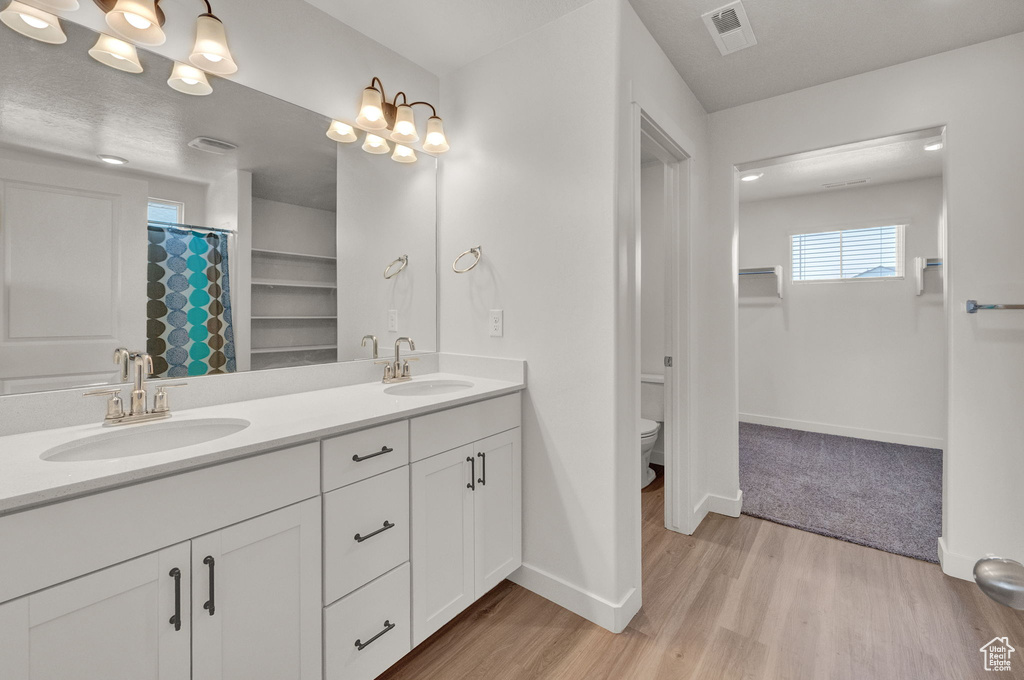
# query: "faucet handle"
[[115, 408], [160, 398]]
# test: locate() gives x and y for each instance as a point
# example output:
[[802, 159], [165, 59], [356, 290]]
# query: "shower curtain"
[[188, 326]]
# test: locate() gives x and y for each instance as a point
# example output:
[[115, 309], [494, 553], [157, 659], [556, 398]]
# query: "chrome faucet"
[[372, 338], [399, 370], [139, 365]]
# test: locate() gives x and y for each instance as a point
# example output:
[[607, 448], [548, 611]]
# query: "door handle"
[[209, 605], [483, 468], [359, 459], [363, 645], [176, 619], [472, 473], [387, 525]]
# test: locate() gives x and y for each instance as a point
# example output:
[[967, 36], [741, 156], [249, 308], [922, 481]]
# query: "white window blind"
[[849, 254], [166, 211]]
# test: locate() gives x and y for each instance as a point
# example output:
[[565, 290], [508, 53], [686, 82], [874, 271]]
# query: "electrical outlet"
[[393, 320], [497, 323]]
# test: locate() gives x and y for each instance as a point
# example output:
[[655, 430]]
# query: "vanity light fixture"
[[116, 53], [137, 20], [211, 52], [34, 23], [112, 160], [752, 178], [188, 79], [57, 5], [378, 115], [934, 146]]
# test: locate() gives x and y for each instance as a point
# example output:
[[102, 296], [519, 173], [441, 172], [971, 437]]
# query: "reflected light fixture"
[[112, 160], [33, 22], [189, 80], [752, 178], [374, 144], [377, 115], [933, 146], [211, 52], [137, 20], [57, 5], [341, 132], [116, 53]]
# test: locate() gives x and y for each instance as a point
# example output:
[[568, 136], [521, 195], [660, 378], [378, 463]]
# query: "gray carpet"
[[885, 496]]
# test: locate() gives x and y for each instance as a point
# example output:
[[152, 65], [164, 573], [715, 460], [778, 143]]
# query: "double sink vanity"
[[309, 535]]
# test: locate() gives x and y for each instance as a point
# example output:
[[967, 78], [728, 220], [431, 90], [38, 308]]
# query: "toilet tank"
[[652, 397]]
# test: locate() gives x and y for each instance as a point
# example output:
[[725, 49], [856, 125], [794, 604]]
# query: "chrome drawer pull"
[[363, 645], [359, 459], [387, 525]]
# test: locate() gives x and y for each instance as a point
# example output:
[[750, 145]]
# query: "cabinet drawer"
[[352, 457], [362, 510], [437, 432], [380, 608]]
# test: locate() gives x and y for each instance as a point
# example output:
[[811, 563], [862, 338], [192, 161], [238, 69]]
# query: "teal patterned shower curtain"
[[188, 327]]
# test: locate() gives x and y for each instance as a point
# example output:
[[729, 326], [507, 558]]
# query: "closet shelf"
[[765, 271], [284, 253], [271, 283], [300, 348], [921, 265], [294, 318]]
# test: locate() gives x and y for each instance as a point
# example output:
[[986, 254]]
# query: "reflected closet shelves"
[[921, 265], [300, 348], [263, 252], [294, 318], [766, 271], [271, 283]]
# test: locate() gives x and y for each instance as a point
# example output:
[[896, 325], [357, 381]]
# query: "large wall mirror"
[[236, 236]]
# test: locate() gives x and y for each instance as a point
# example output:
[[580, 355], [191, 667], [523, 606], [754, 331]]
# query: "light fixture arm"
[[426, 104], [379, 87], [209, 9]]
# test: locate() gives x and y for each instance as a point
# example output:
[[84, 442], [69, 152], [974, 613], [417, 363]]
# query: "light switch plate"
[[393, 320], [497, 323]]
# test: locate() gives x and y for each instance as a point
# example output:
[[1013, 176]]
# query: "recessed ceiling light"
[[752, 178], [934, 146], [113, 160]]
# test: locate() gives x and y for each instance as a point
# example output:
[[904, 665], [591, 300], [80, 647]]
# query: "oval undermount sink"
[[138, 440], [428, 388]]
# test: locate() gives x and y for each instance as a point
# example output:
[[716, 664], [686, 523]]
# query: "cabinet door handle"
[[176, 619], [359, 459], [209, 605], [483, 468], [387, 525], [472, 473], [363, 645]]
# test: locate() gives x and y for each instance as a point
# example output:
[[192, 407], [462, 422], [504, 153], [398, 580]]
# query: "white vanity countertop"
[[26, 480]]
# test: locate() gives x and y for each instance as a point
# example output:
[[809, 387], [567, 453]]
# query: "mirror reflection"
[[218, 233]]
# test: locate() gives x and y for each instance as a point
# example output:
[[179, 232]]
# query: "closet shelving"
[[775, 271], [921, 265]]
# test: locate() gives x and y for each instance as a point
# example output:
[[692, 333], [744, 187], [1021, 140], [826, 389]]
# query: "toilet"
[[648, 437]]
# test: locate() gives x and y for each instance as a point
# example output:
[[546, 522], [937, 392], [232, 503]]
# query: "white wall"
[[863, 358], [974, 92], [192, 194], [652, 270]]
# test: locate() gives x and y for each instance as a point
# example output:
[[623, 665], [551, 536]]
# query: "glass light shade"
[[116, 53], [403, 154], [34, 23], [58, 5], [371, 111], [189, 80], [341, 132], [375, 144], [137, 21], [405, 125], [436, 142], [211, 52]]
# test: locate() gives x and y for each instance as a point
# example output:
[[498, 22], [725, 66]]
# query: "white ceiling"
[[443, 35], [801, 43], [882, 164]]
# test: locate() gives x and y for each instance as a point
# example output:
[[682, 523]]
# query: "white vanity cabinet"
[[466, 508]]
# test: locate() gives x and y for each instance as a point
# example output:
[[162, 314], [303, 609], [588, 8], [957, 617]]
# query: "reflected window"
[[171, 212], [849, 254]]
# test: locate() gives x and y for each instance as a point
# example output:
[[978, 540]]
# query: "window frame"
[[901, 252], [178, 205]]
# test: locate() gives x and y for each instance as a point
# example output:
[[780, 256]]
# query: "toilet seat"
[[648, 428]]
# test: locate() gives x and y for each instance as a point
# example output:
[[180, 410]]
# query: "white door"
[[442, 539], [121, 622], [73, 264], [256, 598], [498, 509]]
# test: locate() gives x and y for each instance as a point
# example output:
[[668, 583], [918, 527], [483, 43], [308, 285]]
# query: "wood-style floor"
[[741, 598]]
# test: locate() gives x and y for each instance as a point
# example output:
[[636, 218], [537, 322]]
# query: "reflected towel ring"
[[478, 251], [404, 259]]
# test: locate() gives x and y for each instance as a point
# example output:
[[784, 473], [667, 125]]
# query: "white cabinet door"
[[256, 598], [116, 623], [442, 540], [498, 509]]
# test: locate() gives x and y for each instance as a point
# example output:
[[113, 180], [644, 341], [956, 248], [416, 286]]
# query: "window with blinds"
[[849, 254]]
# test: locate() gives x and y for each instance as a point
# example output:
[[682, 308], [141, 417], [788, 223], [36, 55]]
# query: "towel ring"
[[478, 251], [404, 259]]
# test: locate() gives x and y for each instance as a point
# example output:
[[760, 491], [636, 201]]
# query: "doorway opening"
[[842, 341]]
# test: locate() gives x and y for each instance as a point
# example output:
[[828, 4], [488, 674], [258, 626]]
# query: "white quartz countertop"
[[27, 480]]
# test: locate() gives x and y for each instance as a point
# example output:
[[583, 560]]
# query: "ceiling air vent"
[[730, 28], [847, 183], [211, 145]]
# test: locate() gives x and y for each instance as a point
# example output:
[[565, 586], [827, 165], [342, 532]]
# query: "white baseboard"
[[610, 615], [843, 431], [954, 564], [720, 505]]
